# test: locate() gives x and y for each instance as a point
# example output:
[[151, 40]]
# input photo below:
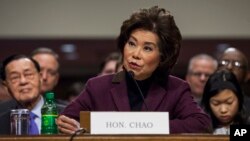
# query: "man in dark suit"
[[21, 76]]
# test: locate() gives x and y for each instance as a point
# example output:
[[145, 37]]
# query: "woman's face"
[[141, 53], [225, 106]]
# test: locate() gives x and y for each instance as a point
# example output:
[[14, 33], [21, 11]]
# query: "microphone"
[[132, 74], [77, 132]]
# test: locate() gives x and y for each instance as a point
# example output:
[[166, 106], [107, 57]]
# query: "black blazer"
[[5, 108]]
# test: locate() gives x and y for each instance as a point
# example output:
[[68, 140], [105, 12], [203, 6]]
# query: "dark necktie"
[[33, 130]]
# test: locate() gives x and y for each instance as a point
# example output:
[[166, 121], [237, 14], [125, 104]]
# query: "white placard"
[[129, 123]]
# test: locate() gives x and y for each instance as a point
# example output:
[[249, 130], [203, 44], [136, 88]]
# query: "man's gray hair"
[[202, 57]]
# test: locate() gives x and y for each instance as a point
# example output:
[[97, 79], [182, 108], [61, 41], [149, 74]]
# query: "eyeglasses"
[[199, 74], [234, 63], [15, 78]]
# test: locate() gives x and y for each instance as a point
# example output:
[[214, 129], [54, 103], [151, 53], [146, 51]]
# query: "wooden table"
[[87, 137]]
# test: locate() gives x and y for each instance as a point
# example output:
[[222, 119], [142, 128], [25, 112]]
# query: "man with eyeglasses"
[[200, 67], [21, 76], [48, 61], [235, 61]]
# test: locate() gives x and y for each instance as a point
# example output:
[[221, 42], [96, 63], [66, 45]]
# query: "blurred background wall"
[[102, 18], [83, 32]]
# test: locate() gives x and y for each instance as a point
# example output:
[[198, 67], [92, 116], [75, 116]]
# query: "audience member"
[[20, 74], [109, 65], [223, 100], [235, 61], [150, 43], [48, 61], [200, 67]]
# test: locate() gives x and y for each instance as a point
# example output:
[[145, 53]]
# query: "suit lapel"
[[154, 98], [119, 92]]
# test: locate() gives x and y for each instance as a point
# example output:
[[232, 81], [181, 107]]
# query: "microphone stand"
[[132, 74]]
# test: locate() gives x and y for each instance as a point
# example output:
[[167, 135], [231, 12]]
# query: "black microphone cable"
[[131, 74], [77, 132]]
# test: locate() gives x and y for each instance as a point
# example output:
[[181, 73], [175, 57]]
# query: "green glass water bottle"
[[49, 115]]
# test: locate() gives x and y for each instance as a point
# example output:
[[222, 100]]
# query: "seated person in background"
[[235, 61], [223, 100], [109, 64], [21, 75], [49, 63], [149, 42], [200, 67]]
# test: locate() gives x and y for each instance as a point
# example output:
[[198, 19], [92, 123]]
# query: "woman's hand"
[[67, 125]]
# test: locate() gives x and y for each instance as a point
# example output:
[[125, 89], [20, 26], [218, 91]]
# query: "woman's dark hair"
[[13, 58], [219, 81], [161, 22]]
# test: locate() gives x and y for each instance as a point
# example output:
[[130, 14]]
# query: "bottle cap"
[[49, 95]]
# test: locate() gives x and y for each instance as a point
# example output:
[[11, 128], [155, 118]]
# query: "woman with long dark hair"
[[223, 100]]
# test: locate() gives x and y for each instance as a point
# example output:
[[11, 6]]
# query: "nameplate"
[[129, 123]]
